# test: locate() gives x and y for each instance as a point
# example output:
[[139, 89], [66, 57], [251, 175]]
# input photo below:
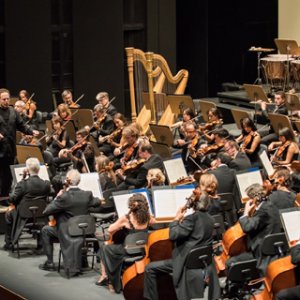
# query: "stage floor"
[[23, 277]]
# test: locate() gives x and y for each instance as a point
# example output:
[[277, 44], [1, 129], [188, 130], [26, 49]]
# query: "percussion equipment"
[[295, 69]]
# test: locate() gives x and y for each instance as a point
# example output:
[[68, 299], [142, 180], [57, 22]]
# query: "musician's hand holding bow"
[[180, 142], [120, 174], [35, 133]]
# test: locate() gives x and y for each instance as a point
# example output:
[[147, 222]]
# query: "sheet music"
[[167, 201], [266, 163], [91, 182], [17, 172], [121, 201], [175, 169], [291, 222], [244, 180]]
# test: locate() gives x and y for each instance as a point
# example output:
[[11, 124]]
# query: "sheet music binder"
[[290, 219]]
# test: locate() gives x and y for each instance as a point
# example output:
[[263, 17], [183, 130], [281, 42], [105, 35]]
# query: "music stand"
[[162, 134], [205, 106], [256, 92], [280, 121], [180, 102], [292, 102], [27, 151], [238, 115], [285, 46]]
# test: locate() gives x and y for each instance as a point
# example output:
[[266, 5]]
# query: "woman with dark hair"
[[214, 122], [112, 255], [30, 108], [286, 149], [249, 140]]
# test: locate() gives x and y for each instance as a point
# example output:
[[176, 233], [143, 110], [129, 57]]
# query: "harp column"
[[130, 61], [149, 67]]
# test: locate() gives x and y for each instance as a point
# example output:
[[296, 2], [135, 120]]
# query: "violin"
[[247, 141], [129, 151], [281, 149], [210, 125], [112, 136], [132, 165], [210, 149], [192, 145]]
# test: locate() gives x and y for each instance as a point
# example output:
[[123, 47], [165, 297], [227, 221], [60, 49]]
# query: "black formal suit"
[[283, 199], [138, 178], [195, 230], [10, 121], [28, 189], [240, 162], [265, 221], [292, 293], [111, 110], [71, 203]]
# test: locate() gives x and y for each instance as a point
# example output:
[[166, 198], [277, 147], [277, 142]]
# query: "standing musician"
[[187, 232], [80, 152], [30, 108], [103, 99], [287, 148], [239, 160], [260, 218], [280, 108], [137, 175], [294, 292], [282, 196], [215, 121], [189, 146], [67, 97], [72, 201], [112, 255], [10, 121], [31, 187], [249, 140]]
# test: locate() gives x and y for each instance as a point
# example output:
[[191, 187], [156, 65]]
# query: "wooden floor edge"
[[8, 294]]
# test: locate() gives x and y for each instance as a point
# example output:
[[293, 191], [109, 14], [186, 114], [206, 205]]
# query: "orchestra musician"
[[249, 140], [67, 97], [239, 160], [287, 148], [103, 99], [137, 219], [137, 177], [280, 108], [282, 196], [189, 146], [81, 151], [72, 201], [187, 232], [30, 108], [107, 177], [214, 122], [64, 112], [10, 121], [20, 107], [155, 177], [260, 218], [294, 292], [31, 187], [188, 115]]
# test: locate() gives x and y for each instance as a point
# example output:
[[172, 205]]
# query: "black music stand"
[[162, 134]]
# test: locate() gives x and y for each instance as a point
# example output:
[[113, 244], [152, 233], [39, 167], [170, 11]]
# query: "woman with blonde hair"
[[107, 176], [155, 177]]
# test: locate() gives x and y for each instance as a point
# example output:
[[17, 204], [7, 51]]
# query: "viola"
[[210, 149]]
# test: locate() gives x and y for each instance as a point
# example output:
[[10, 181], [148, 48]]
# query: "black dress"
[[112, 256]]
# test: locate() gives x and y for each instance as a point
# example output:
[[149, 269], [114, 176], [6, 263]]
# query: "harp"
[[150, 80]]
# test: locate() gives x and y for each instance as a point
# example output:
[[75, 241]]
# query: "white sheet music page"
[[18, 170], [175, 169], [266, 163], [244, 180], [291, 222], [91, 182]]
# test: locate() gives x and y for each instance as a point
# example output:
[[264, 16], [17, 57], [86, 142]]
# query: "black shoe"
[[47, 266], [103, 282], [7, 247]]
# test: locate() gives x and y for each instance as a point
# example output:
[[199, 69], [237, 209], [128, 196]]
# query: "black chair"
[[227, 205], [275, 244], [82, 226], [239, 279], [199, 258], [219, 227], [32, 212]]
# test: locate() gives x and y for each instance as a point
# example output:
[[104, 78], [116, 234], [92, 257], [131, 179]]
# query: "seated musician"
[[189, 146], [112, 255], [137, 177], [187, 233], [294, 292], [214, 122], [104, 124], [80, 153], [249, 140], [260, 218], [188, 115], [30, 107], [282, 196], [20, 107], [64, 112], [72, 201], [28, 188], [107, 177], [155, 177], [286, 149], [67, 97], [239, 160], [280, 108], [103, 99]]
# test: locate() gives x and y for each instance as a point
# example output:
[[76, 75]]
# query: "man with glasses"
[[103, 99]]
